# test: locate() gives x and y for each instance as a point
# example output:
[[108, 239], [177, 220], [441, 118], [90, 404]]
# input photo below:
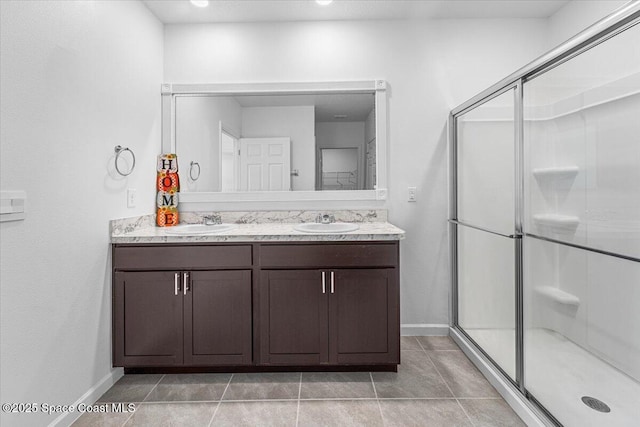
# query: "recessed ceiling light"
[[324, 2], [200, 3]]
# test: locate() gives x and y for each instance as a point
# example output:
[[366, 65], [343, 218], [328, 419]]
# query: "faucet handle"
[[211, 219], [325, 218]]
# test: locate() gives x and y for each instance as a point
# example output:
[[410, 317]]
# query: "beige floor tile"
[[438, 343], [323, 385], [342, 413], [172, 414], [131, 388], [267, 413], [461, 375], [258, 386], [189, 387], [421, 413], [491, 413]]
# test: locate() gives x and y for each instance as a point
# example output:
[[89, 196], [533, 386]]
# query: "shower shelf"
[[557, 223], [557, 295], [559, 172]]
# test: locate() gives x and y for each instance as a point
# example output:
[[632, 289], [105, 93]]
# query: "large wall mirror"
[[280, 141]]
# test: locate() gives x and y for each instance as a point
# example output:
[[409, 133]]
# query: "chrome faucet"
[[212, 219], [325, 219]]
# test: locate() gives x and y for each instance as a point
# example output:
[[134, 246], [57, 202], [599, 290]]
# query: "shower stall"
[[545, 228]]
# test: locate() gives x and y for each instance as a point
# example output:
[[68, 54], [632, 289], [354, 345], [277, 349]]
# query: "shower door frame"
[[622, 19]]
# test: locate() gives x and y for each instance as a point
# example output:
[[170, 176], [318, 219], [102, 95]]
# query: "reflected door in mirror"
[[265, 164]]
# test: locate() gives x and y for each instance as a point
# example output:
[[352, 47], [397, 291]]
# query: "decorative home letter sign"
[[168, 186]]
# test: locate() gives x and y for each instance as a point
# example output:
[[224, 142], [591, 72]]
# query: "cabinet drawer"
[[318, 255], [181, 257]]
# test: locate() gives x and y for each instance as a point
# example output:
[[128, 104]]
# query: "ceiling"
[[183, 12]]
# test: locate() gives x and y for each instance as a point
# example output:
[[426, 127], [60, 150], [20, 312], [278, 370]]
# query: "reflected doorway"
[[339, 168]]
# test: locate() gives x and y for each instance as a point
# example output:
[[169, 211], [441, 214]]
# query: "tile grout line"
[[299, 393], [148, 394], [375, 392], [154, 387], [420, 344], [450, 390], [465, 412], [478, 398], [337, 399], [220, 401], [128, 418], [440, 375]]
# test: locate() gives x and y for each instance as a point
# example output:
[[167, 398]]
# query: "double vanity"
[[260, 292]]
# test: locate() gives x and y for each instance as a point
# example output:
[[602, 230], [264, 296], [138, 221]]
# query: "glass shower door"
[[485, 228], [582, 236]]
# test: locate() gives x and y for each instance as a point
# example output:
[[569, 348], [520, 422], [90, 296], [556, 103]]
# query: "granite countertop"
[[143, 230]]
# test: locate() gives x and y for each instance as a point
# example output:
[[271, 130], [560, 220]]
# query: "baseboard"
[[89, 398], [424, 329], [524, 409]]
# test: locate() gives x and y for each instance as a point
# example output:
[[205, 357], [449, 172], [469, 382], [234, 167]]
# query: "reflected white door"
[[265, 164]]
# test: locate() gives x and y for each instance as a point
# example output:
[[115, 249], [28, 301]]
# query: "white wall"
[[77, 79], [295, 122], [197, 137], [577, 15], [431, 66]]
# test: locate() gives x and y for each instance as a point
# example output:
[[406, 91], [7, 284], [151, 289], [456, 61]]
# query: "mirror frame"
[[170, 91]]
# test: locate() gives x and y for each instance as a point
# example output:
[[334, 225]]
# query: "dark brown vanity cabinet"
[[260, 304], [314, 315], [181, 317]]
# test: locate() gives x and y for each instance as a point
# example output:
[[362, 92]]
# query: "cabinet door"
[[147, 319], [293, 318], [363, 317], [217, 321]]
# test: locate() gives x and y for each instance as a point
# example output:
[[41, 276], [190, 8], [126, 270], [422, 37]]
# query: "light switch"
[[411, 194]]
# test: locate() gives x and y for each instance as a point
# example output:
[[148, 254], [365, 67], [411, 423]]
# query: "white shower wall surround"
[[606, 321], [583, 167]]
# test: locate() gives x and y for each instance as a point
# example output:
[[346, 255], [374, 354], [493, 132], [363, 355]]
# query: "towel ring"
[[119, 150], [191, 171]]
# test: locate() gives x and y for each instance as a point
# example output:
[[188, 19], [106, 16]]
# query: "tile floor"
[[436, 385]]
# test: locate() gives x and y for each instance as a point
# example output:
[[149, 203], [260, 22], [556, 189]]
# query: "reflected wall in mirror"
[[283, 139]]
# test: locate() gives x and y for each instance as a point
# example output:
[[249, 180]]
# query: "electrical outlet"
[[411, 193], [132, 197]]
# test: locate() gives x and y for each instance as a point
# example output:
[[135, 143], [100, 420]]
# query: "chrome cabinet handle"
[[332, 283], [176, 282], [324, 286], [185, 284]]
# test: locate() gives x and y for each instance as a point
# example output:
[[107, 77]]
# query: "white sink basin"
[[334, 227], [191, 229]]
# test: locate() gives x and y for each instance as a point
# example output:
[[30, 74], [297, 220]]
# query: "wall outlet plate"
[[412, 194], [132, 197]]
